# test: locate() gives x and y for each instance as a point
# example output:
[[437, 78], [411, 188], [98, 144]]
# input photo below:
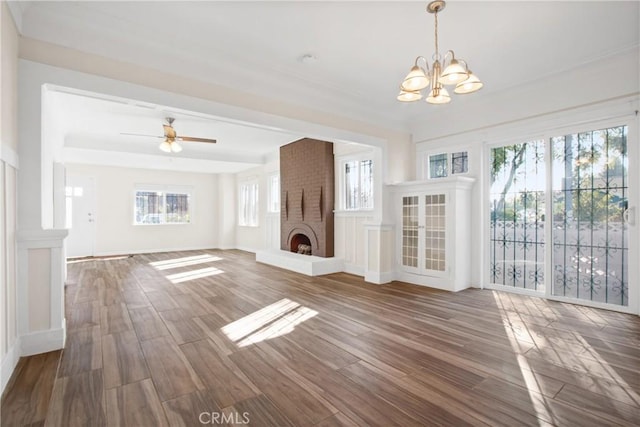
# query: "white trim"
[[42, 341], [442, 283], [520, 291], [616, 108], [246, 249], [9, 155], [304, 264], [379, 278], [355, 269], [57, 274], [16, 8], [125, 252], [9, 363], [38, 239]]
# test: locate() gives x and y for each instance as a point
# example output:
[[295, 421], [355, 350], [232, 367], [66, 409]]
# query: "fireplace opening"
[[301, 244]]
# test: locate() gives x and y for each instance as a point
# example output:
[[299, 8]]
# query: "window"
[[438, 166], [445, 164], [273, 204], [248, 204], [162, 206], [459, 162], [358, 184]]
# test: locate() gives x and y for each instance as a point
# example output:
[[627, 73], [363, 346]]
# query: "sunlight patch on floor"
[[193, 274], [536, 397], [183, 262], [569, 357], [274, 320]]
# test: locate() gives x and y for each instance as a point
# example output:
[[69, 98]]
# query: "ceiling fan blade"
[[193, 139], [140, 134]]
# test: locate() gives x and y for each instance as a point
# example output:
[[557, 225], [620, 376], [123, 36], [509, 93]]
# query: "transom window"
[[442, 165]]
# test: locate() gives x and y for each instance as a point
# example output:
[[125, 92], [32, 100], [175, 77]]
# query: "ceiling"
[[362, 50], [93, 128]]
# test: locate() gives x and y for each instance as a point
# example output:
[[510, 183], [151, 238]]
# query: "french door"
[[424, 233], [560, 217]]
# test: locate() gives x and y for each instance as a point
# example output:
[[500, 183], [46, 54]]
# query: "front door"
[[81, 217]]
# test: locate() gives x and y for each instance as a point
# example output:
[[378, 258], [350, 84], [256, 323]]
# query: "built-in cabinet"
[[433, 237]]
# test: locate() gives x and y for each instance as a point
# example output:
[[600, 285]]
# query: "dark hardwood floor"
[[212, 337]]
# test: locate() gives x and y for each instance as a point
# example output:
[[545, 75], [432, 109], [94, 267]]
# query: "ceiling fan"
[[171, 138]]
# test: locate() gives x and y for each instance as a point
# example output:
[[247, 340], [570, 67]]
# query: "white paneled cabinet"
[[433, 240]]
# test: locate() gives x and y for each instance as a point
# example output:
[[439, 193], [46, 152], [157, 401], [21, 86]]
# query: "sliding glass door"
[[571, 189], [590, 235], [517, 215]]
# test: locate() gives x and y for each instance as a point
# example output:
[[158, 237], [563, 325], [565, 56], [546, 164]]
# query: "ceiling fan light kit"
[[170, 146], [446, 70]]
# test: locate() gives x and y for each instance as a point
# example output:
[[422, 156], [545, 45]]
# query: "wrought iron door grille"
[[517, 215], [590, 242]]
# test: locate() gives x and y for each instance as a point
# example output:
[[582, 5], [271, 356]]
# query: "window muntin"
[[459, 162]]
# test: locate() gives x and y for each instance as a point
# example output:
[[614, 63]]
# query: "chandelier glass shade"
[[445, 70]]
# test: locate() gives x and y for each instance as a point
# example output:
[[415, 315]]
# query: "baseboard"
[[246, 249], [354, 269], [125, 252], [9, 363], [42, 342], [378, 278]]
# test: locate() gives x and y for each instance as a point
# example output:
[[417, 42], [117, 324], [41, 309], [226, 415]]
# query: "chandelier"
[[446, 70]]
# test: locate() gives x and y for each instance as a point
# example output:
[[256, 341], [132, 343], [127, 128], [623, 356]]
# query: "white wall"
[[115, 232], [9, 341]]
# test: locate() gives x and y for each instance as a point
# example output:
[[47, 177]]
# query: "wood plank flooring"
[[186, 338]]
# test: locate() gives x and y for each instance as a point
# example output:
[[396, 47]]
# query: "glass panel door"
[[434, 235], [590, 236], [410, 231], [517, 247]]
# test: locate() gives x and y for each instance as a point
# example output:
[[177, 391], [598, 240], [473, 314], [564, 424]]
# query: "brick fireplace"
[[306, 197]]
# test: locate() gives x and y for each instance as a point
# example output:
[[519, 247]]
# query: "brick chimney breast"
[[306, 195]]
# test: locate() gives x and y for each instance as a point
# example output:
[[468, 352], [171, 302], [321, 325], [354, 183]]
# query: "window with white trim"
[[248, 210], [358, 184], [162, 205], [273, 203], [442, 165]]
